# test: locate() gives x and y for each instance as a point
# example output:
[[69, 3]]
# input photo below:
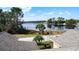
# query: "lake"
[[32, 26]]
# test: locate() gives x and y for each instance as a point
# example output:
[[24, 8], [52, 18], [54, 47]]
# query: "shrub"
[[38, 39], [46, 45]]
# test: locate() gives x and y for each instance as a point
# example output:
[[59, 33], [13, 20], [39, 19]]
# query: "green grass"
[[25, 35], [42, 47]]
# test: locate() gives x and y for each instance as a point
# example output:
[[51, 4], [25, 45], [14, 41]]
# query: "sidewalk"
[[31, 38]]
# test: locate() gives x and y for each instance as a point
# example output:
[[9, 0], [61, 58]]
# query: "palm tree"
[[38, 39], [41, 27]]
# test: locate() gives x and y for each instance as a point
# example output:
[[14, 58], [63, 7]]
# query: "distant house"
[[68, 39], [9, 42]]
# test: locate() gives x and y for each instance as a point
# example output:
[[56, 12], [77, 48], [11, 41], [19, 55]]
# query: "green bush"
[[43, 44], [46, 45], [38, 39]]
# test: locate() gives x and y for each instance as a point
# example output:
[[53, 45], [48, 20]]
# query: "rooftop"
[[9, 42], [68, 41]]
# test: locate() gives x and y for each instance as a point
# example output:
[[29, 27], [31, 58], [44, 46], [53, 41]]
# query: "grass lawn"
[[25, 35], [33, 35]]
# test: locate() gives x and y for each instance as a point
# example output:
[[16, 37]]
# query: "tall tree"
[[1, 20], [9, 20], [17, 14]]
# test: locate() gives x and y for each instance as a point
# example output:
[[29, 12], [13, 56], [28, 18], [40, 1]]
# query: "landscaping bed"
[[46, 45]]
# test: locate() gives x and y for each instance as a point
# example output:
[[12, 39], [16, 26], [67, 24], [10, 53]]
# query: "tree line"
[[58, 22]]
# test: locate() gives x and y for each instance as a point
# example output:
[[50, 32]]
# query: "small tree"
[[41, 27], [38, 39]]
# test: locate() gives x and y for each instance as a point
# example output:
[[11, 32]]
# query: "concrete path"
[[31, 38]]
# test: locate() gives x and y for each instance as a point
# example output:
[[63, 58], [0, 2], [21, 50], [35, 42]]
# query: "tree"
[[1, 20], [9, 20], [38, 39], [41, 27], [49, 23], [60, 22], [71, 24], [0, 10], [16, 14]]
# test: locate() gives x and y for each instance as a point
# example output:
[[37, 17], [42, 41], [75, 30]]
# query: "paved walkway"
[[31, 38]]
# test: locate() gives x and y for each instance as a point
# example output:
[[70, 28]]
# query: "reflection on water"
[[32, 26]]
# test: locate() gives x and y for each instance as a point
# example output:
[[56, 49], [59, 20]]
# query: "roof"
[[76, 48], [9, 42], [27, 46], [68, 39]]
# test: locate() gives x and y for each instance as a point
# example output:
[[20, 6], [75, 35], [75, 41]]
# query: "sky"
[[44, 13]]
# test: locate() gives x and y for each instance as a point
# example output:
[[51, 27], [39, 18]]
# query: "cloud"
[[39, 11], [67, 12], [64, 13], [26, 9], [32, 14], [50, 13], [60, 13]]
